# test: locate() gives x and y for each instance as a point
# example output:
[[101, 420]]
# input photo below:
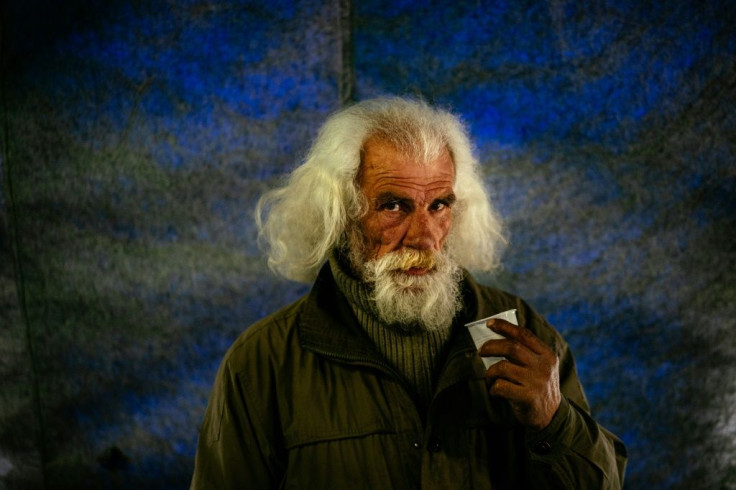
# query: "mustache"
[[415, 303], [409, 258]]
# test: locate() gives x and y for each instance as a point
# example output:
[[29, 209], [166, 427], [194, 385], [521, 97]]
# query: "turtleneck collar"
[[357, 292]]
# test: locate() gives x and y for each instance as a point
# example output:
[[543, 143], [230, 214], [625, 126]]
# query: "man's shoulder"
[[489, 300], [283, 318], [492, 300], [495, 295], [268, 335]]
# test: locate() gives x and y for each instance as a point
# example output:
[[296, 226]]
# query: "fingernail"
[[490, 322]]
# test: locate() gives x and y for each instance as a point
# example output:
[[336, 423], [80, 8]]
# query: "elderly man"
[[372, 380]]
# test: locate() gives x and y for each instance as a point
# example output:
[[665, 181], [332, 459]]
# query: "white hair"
[[301, 222]]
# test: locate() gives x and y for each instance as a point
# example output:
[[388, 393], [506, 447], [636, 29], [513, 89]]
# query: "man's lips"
[[416, 271]]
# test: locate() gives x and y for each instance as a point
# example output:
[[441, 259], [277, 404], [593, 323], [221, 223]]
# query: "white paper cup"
[[482, 334]]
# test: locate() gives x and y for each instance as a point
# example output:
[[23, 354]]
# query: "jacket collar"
[[328, 326]]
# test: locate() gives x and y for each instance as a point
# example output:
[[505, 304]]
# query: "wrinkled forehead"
[[384, 166]]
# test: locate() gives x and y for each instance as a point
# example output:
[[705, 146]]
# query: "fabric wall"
[[136, 137]]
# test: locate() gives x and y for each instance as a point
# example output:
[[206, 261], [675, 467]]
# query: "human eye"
[[392, 206], [443, 203], [440, 204], [391, 203]]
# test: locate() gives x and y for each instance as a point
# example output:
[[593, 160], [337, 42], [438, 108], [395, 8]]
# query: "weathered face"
[[409, 203]]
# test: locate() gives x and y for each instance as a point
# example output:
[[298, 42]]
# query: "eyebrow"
[[450, 198], [385, 197]]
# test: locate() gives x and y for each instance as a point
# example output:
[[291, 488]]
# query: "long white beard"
[[415, 302]]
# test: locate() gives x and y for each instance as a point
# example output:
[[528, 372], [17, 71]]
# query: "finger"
[[508, 371], [506, 389], [512, 350], [520, 334]]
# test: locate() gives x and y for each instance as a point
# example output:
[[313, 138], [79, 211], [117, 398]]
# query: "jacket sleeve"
[[233, 450], [574, 451]]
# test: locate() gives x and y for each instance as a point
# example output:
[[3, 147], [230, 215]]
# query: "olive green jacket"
[[304, 400]]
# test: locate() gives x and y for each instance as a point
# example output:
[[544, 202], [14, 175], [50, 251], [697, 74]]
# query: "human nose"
[[422, 232]]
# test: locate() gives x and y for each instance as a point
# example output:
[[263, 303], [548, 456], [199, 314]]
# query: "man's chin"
[[410, 290], [413, 281]]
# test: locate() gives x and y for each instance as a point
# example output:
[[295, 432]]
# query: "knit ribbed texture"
[[414, 355]]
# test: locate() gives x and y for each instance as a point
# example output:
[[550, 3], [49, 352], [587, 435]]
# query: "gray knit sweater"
[[415, 355]]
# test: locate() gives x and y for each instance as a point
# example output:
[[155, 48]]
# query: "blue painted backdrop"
[[136, 137]]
